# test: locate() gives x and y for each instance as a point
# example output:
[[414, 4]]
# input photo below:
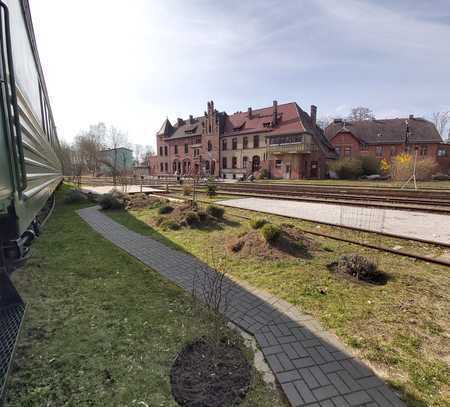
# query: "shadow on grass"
[[292, 248]]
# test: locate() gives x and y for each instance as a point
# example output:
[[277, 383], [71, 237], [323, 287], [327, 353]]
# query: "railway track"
[[429, 200]]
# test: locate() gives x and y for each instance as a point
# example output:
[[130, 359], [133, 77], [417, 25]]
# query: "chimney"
[[411, 116], [249, 113], [191, 119], [313, 114], [180, 121], [275, 113]]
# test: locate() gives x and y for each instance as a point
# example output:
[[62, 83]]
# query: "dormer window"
[[267, 124]]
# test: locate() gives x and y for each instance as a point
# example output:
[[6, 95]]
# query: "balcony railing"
[[294, 148]]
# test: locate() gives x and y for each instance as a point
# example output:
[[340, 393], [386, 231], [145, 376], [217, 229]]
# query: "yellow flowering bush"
[[402, 167]]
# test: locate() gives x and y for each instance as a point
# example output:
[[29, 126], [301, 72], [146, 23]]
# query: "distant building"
[[115, 159], [153, 164], [386, 138], [282, 139]]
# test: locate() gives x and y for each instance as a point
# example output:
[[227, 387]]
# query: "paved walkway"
[[312, 366], [130, 189], [408, 224]]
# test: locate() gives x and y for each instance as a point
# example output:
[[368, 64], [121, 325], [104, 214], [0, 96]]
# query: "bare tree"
[[324, 121], [360, 113], [115, 139], [66, 155], [89, 143], [441, 120], [138, 153]]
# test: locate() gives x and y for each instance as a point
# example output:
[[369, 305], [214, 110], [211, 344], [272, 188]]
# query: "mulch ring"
[[291, 243], [207, 375], [381, 278]]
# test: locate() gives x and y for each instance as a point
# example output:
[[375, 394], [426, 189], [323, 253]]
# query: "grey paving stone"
[[339, 401], [285, 377], [301, 351], [275, 364], [319, 375], [370, 382], [303, 362], [292, 394], [338, 383], [272, 350], [378, 397], [325, 392], [358, 398], [290, 351], [331, 367], [309, 378], [285, 361], [348, 380], [304, 391]]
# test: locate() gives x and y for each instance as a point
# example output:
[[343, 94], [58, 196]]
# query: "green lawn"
[[401, 328], [102, 329]]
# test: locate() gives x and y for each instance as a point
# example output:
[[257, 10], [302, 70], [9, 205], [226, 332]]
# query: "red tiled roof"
[[287, 122], [387, 131]]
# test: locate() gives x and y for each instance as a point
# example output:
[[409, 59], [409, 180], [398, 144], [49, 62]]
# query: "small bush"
[[191, 218], [187, 190], [263, 174], [347, 168], [165, 209], [358, 266], [170, 224], [369, 164], [257, 223], [75, 196], [402, 167], [270, 232], [202, 215], [215, 211], [111, 201], [211, 188]]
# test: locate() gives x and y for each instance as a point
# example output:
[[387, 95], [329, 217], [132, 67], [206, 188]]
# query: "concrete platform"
[[411, 225], [131, 189]]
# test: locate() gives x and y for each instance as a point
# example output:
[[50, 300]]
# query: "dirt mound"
[[143, 201], [208, 376], [291, 243]]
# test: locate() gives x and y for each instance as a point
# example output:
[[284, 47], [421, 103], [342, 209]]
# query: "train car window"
[[26, 72]]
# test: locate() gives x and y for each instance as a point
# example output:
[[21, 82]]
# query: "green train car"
[[30, 167]]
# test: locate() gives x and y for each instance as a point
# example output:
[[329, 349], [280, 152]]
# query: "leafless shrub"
[[212, 288]]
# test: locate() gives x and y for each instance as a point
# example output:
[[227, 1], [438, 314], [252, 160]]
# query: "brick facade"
[[235, 146], [384, 139]]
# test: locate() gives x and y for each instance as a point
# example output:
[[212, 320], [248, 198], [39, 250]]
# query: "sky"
[[132, 64]]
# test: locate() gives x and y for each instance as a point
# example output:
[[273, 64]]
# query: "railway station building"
[[281, 139], [387, 138]]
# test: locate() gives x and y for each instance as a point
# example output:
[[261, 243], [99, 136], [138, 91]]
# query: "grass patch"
[[102, 329], [398, 328]]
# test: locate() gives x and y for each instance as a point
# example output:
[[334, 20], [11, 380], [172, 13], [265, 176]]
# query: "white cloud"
[[132, 64]]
